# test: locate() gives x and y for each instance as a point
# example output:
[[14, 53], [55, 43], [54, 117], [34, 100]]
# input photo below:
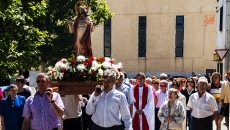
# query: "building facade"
[[177, 37], [223, 33]]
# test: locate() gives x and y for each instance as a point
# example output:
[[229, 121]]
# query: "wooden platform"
[[73, 88]]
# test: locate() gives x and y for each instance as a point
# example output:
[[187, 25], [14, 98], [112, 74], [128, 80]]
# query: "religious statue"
[[82, 27]]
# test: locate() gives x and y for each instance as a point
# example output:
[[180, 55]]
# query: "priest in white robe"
[[144, 108]]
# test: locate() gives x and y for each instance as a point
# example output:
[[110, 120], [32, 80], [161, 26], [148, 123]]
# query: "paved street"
[[223, 127]]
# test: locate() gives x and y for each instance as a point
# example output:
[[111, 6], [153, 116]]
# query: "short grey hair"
[[203, 79], [13, 86], [44, 75], [110, 73], [163, 76], [164, 81]]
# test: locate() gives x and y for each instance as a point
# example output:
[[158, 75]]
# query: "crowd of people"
[[141, 103]]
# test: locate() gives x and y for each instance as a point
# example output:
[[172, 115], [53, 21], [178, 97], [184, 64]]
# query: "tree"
[[35, 31]]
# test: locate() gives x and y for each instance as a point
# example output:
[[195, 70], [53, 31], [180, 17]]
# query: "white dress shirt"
[[106, 108], [202, 107], [161, 97]]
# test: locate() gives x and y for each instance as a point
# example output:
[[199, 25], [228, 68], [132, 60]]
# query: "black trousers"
[[87, 123], [202, 123], [122, 126], [96, 127], [72, 124], [157, 121]]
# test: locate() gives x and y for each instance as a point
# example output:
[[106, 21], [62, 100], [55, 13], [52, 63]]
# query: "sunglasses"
[[40, 81]]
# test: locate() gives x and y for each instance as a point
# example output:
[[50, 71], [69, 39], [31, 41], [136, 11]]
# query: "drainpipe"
[[227, 33]]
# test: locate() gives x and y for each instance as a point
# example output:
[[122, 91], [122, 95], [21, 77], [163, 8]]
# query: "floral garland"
[[82, 68]]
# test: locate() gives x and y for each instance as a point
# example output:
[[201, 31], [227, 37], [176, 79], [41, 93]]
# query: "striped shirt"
[[161, 97], [42, 115], [215, 90]]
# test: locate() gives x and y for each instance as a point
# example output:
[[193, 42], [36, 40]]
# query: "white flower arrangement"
[[82, 68]]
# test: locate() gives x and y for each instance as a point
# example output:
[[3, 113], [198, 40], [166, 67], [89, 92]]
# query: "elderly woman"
[[171, 113], [11, 110], [181, 98]]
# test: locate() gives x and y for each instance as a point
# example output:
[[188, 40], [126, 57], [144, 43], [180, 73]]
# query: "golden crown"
[[83, 4]]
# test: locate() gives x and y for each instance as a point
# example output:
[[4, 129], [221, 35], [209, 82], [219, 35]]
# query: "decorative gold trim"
[[82, 3]]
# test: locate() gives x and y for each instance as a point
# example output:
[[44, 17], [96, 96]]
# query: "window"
[[142, 36], [221, 19], [107, 38], [179, 37]]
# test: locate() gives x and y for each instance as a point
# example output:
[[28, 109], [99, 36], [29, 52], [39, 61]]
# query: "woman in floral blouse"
[[171, 112]]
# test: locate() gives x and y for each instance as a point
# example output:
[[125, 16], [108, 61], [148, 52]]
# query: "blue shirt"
[[11, 110], [128, 93]]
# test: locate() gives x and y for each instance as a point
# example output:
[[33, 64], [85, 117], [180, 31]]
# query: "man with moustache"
[[107, 105], [203, 107], [144, 105], [41, 110]]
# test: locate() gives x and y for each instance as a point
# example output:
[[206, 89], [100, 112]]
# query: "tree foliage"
[[36, 31]]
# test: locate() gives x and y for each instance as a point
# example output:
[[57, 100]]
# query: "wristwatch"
[[52, 101]]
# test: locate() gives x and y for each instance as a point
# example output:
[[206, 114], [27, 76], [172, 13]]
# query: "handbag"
[[174, 125]]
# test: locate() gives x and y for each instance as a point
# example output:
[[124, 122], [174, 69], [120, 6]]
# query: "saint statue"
[[82, 27]]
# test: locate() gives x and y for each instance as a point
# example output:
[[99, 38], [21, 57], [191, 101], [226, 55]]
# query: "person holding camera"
[[107, 106], [41, 110]]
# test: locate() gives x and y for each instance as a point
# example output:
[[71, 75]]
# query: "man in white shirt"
[[107, 105], [203, 107], [72, 114], [161, 96]]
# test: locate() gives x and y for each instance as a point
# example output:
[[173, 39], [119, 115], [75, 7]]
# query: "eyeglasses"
[[40, 81], [202, 84], [162, 85], [171, 93]]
